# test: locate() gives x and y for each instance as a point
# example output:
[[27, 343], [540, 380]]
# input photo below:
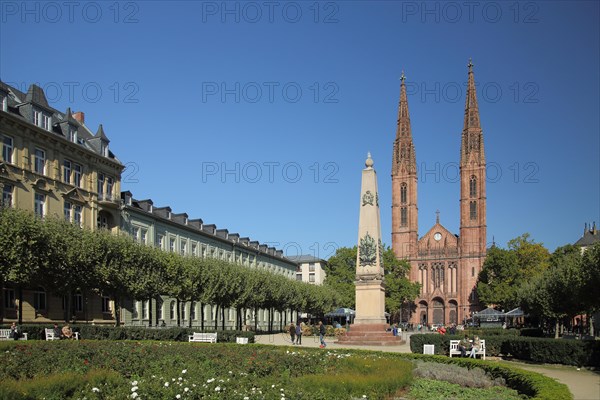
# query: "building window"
[[172, 245], [183, 247], [9, 299], [311, 267], [135, 232], [40, 205], [311, 278], [299, 277], [472, 271], [172, 309], [67, 211], [143, 235], [37, 118], [159, 309], [7, 149], [77, 175], [403, 193], [7, 195], [78, 302], [67, 171], [101, 186], [403, 216], [473, 187], [39, 161], [182, 310], [46, 122], [194, 249], [73, 135], [109, 187], [3, 103], [106, 304], [160, 241], [473, 210], [39, 299], [193, 311], [134, 311], [145, 309], [77, 211]]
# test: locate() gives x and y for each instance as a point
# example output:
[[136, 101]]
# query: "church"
[[445, 264]]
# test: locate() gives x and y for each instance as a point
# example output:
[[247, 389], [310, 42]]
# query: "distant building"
[[175, 232], [310, 269], [53, 164], [590, 237]]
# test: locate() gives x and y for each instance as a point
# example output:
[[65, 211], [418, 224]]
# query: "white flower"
[[364, 396], [211, 380], [134, 383], [184, 371], [173, 379], [180, 378], [246, 398], [166, 384], [186, 389], [95, 389], [230, 372], [134, 395], [178, 396], [135, 388], [218, 389], [272, 386]]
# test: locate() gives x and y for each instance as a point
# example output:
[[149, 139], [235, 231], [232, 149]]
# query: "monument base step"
[[370, 335]]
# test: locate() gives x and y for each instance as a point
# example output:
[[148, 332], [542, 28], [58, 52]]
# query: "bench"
[[5, 335], [454, 348], [51, 336], [203, 337]]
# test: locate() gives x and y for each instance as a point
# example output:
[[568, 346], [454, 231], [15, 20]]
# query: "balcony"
[[107, 199]]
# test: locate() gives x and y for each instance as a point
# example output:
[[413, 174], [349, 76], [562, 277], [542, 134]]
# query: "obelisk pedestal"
[[370, 324]]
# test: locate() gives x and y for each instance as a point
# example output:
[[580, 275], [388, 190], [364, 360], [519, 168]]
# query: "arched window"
[[172, 309], [473, 210], [403, 193], [159, 309], [403, 216], [193, 311], [473, 186]]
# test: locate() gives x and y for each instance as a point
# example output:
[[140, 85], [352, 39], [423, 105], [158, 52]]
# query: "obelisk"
[[370, 289]]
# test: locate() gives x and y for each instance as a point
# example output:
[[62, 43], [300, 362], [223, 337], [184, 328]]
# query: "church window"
[[473, 186], [473, 210], [403, 193], [403, 216]]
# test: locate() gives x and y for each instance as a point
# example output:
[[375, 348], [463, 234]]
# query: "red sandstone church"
[[446, 265]]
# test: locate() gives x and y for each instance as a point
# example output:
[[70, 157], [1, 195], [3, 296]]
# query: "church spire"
[[472, 135], [404, 149]]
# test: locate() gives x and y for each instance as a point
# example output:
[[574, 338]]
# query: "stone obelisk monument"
[[369, 326], [370, 291]]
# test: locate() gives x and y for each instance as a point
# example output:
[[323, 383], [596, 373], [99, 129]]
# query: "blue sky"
[[257, 116]]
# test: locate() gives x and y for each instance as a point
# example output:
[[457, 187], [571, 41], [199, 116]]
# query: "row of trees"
[[399, 291], [64, 258], [550, 287]]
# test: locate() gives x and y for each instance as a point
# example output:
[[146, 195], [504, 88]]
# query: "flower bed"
[[173, 370]]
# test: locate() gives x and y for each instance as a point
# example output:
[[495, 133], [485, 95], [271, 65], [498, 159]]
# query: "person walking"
[[298, 333], [322, 331], [292, 331]]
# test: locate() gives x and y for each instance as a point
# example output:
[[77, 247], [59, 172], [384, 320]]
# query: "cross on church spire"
[[437, 216]]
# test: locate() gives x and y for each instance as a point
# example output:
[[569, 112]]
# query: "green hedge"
[[541, 350], [532, 384], [102, 332]]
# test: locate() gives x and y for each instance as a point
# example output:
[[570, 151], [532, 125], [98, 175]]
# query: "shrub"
[[426, 389], [542, 350], [475, 377], [102, 332]]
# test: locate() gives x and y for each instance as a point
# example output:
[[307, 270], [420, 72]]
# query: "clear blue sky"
[[268, 91]]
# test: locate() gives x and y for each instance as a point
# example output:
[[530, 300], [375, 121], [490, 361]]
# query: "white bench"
[[51, 336], [5, 335], [454, 348], [203, 337]]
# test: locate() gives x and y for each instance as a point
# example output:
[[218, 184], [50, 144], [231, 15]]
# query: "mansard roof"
[[22, 105], [197, 226]]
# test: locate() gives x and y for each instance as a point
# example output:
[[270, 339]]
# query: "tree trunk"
[[117, 311], [150, 311], [190, 318], [202, 316], [216, 317], [178, 313], [223, 318], [255, 319]]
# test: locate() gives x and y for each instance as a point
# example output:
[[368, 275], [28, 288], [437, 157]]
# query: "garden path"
[[583, 384]]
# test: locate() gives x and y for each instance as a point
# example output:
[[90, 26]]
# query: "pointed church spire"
[[404, 149], [472, 135], [471, 107]]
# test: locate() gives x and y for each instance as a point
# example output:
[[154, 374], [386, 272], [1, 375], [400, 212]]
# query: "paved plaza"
[[583, 383]]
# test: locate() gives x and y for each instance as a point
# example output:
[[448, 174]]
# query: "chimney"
[[79, 116]]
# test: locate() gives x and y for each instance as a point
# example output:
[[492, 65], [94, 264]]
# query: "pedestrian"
[[322, 331], [292, 331], [395, 330], [14, 331], [298, 333], [464, 345], [476, 347]]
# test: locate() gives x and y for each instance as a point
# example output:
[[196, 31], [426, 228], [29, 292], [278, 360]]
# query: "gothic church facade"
[[446, 265]]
